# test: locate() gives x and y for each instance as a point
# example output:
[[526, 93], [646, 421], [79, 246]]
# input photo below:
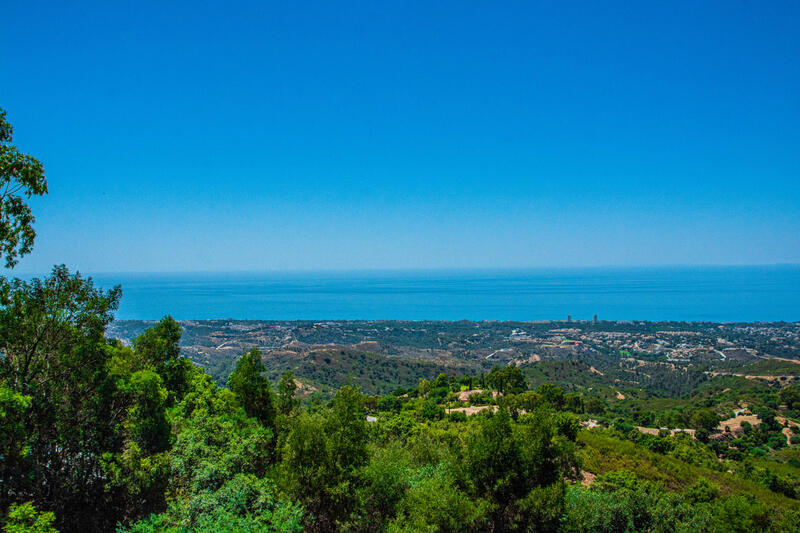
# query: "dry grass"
[[471, 410], [463, 396], [735, 423], [672, 432]]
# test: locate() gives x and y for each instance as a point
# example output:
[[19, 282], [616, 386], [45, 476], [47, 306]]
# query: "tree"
[[574, 403], [790, 395], [42, 319], [436, 504], [493, 460], [508, 379], [431, 411], [704, 419], [595, 406], [252, 388], [286, 390], [146, 424], [21, 177], [424, 387], [52, 336], [159, 348], [553, 395], [322, 459], [138, 470], [217, 468], [441, 381], [246, 503], [13, 407], [25, 518]]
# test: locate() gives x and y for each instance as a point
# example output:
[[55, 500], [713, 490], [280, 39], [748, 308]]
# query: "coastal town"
[[623, 346]]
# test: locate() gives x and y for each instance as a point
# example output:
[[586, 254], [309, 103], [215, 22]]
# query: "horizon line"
[[376, 270]]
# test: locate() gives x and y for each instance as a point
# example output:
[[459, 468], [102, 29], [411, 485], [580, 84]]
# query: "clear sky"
[[211, 135]]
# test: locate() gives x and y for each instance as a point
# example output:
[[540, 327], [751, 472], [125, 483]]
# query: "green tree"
[[519, 470], [384, 482], [424, 387], [431, 411], [21, 177], [52, 337], [508, 379], [217, 467], [322, 458], [286, 391], [436, 504], [13, 407], [441, 381], [42, 320], [574, 403], [245, 503], [595, 406], [552, 395], [137, 471], [705, 419], [159, 348], [790, 396], [252, 388], [147, 424], [24, 518]]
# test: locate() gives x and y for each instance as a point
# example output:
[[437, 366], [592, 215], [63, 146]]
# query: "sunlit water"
[[695, 294]]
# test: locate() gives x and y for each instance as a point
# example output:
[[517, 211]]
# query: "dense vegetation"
[[133, 437], [99, 435]]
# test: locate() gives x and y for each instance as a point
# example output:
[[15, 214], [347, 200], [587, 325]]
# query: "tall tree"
[[286, 389], [21, 177], [54, 352], [508, 379], [159, 349], [322, 458], [252, 388]]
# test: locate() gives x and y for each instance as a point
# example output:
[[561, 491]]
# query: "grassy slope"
[[602, 454]]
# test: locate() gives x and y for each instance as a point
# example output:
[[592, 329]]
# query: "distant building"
[[569, 318], [594, 319]]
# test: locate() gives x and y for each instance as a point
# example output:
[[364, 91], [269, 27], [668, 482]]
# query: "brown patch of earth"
[[471, 410], [672, 432], [463, 396], [587, 478]]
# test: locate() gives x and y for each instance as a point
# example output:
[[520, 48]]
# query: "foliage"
[[790, 396], [51, 337], [286, 393], [508, 379], [321, 459], [245, 503], [158, 348], [24, 518], [13, 448], [252, 389], [21, 177]]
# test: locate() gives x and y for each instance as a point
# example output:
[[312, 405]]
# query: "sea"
[[713, 293]]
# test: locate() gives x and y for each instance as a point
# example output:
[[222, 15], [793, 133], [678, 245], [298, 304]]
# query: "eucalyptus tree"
[[21, 177]]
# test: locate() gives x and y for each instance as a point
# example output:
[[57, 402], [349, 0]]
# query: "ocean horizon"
[[692, 293]]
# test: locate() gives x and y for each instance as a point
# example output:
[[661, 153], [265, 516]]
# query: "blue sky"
[[269, 136]]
